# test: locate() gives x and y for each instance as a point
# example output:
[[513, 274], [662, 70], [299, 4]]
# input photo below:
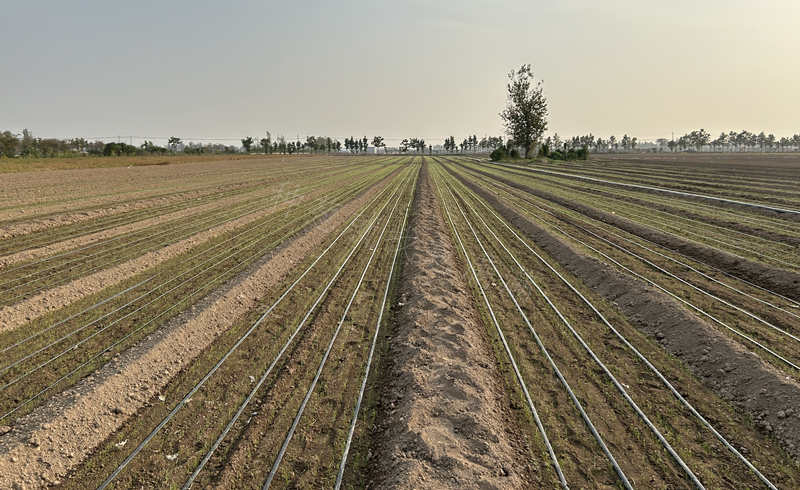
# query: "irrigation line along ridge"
[[314, 204], [75, 315], [590, 425], [687, 303], [662, 220], [703, 291], [190, 481], [580, 339], [150, 212], [146, 213], [130, 334], [687, 283], [233, 348], [684, 234], [348, 442], [711, 267], [636, 351], [517, 373], [249, 207], [324, 359], [676, 261], [190, 229], [652, 188], [246, 246]]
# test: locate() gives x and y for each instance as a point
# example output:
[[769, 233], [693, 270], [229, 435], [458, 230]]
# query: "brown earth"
[[45, 445], [51, 198], [763, 199], [722, 222], [13, 316], [443, 416], [735, 374], [779, 280], [65, 214], [15, 229], [91, 238]]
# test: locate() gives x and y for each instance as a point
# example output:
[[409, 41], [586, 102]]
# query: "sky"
[[400, 68]]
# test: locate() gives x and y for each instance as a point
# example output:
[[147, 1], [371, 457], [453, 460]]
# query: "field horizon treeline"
[[25, 145]]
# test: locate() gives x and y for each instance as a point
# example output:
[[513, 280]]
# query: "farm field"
[[402, 321]]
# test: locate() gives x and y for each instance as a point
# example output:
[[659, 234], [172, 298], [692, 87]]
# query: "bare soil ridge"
[[727, 369], [91, 238], [725, 223], [13, 316], [443, 423], [782, 281], [46, 444]]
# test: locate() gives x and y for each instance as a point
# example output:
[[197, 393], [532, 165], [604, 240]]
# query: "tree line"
[[700, 140]]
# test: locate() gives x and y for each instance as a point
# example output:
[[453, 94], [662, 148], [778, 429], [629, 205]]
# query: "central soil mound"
[[444, 421]]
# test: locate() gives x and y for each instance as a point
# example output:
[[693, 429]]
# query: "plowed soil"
[[444, 419]]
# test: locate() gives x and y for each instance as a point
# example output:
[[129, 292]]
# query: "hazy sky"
[[398, 68]]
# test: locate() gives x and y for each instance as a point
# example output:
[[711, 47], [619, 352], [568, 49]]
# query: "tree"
[[377, 142], [28, 144], [247, 143], [266, 142], [525, 115], [173, 143], [8, 144]]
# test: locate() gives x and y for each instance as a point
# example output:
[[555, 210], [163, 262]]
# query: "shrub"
[[499, 154], [544, 150]]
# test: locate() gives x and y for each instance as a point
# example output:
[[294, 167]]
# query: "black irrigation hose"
[[690, 305], [235, 346], [658, 189], [118, 342], [517, 373], [313, 205], [641, 356], [247, 245], [276, 464], [711, 267], [580, 339]]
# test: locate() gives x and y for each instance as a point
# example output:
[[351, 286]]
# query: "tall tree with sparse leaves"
[[525, 115]]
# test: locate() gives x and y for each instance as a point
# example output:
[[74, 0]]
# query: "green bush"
[[499, 154], [544, 150]]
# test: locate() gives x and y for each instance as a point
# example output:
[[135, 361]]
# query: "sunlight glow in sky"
[[400, 69]]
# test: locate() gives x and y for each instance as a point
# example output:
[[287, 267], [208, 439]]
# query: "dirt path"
[[444, 421], [45, 445]]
